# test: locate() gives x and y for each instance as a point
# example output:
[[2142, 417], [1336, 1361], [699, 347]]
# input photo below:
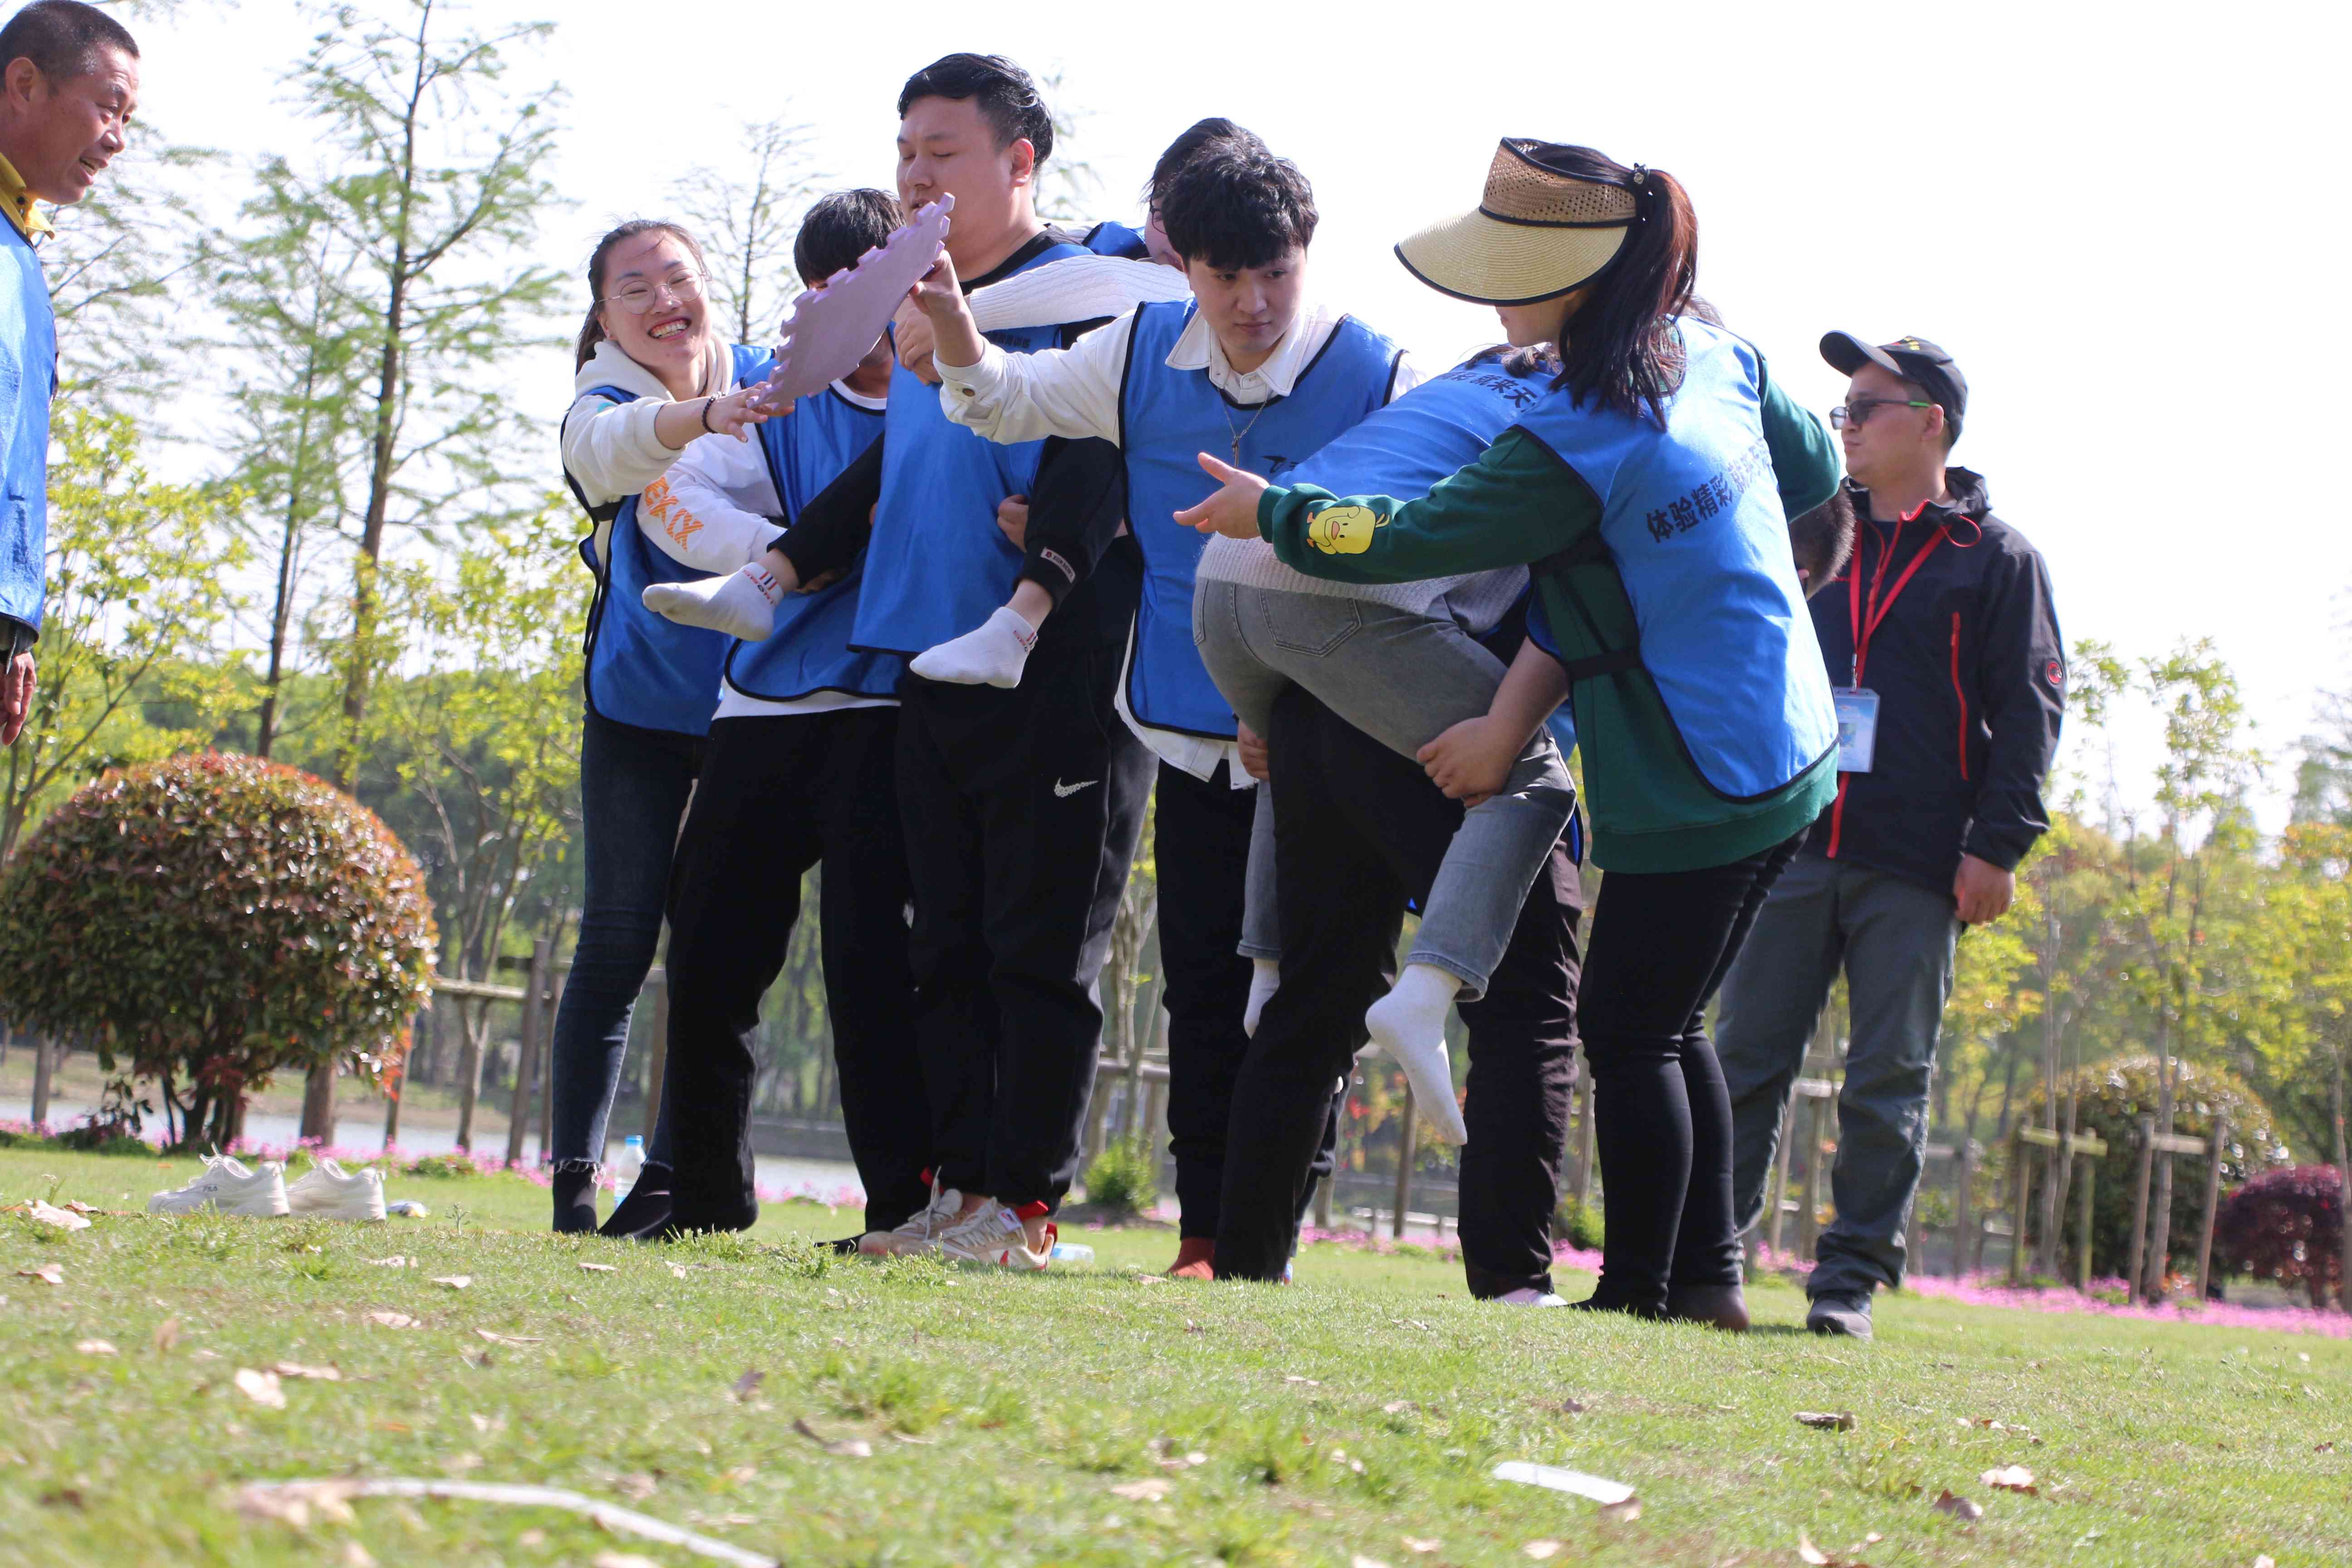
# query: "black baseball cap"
[[1915, 359]]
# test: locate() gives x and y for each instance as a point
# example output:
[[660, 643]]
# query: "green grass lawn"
[[1354, 1416]]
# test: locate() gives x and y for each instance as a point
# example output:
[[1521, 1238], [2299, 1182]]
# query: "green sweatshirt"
[[1520, 505]]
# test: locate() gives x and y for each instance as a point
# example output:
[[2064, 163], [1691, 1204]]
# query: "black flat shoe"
[[695, 1220], [646, 1206]]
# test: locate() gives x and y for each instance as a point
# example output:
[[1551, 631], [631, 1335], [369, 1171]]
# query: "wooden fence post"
[[2134, 1286], [556, 980], [657, 1057], [1404, 1165], [526, 1052], [1773, 1215], [1963, 1209], [2090, 1170], [2212, 1204]]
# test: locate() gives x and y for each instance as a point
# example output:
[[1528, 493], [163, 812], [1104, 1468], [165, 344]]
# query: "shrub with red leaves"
[[2288, 1227], [210, 920]]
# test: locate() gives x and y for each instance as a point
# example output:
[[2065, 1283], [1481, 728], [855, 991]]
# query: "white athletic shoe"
[[992, 1237], [1528, 1296], [227, 1187], [329, 1192], [919, 1230]]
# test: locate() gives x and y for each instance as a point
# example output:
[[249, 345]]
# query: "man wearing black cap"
[[1951, 681]]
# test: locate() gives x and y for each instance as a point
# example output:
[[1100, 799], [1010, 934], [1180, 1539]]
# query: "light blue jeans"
[[1404, 679]]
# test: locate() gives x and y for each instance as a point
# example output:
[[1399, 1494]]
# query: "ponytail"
[[1621, 352], [591, 330]]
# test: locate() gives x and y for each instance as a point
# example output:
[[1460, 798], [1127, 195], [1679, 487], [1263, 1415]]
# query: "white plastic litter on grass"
[[1604, 1492]]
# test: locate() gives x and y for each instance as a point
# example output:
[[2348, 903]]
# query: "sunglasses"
[[1857, 412]]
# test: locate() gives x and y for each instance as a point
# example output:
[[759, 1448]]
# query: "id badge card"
[[1857, 722]]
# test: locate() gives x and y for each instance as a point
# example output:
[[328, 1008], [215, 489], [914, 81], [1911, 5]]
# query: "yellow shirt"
[[17, 203]]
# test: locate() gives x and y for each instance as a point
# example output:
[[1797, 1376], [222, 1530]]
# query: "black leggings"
[[1661, 943]]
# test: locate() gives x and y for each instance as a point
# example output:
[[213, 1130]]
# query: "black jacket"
[[1971, 680]]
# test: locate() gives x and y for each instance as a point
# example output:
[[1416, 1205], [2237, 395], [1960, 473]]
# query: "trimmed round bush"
[[2116, 1094], [2287, 1227], [210, 921]]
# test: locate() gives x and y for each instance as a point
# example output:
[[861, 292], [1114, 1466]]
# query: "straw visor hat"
[[1535, 235]]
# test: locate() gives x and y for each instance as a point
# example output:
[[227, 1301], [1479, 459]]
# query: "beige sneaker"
[[992, 1237], [921, 1230], [227, 1187], [329, 1192]]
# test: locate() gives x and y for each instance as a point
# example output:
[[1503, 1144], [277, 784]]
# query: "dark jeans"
[[1358, 829], [779, 794], [1023, 809], [1200, 836], [634, 784], [1661, 943]]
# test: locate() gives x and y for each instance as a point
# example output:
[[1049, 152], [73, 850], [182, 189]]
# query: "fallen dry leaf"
[[63, 1219], [81, 1207], [1827, 1420], [294, 1502], [357, 1556], [1624, 1512], [1394, 1405], [624, 1560], [1358, 1560], [840, 1449], [1151, 1491], [2010, 1479], [1958, 1506], [1419, 1546], [1309, 1381], [261, 1387], [737, 1475], [167, 1334], [499, 1339], [395, 1261], [94, 1347], [2264, 1560], [596, 1267], [2323, 1447], [1809, 1552], [318, 1374], [1541, 1551], [486, 1425], [455, 1281], [749, 1384], [1573, 1408], [636, 1487], [392, 1320], [47, 1274], [677, 1271]]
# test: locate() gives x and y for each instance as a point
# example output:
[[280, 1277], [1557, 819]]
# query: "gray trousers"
[[1404, 679], [1896, 940]]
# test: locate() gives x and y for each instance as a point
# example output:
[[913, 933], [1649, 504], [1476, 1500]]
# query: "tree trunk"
[[2159, 1242], [2343, 1180], [318, 1103]]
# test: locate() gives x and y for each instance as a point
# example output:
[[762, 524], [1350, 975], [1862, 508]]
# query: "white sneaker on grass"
[[1528, 1296], [329, 1192], [920, 1229], [992, 1237], [227, 1187]]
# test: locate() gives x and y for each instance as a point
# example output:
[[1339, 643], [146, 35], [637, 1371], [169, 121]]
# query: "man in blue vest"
[[68, 84], [1247, 366]]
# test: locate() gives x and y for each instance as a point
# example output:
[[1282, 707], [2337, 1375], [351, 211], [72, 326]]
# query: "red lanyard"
[[1866, 626]]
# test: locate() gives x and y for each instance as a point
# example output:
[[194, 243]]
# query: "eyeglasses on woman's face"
[[1856, 411], [639, 295]]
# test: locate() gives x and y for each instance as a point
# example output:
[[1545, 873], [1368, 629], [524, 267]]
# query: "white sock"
[[1265, 978], [1408, 1023], [993, 655], [742, 603]]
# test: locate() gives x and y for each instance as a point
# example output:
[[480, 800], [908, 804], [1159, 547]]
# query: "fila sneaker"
[[227, 1187], [920, 1228], [329, 1192], [992, 1237]]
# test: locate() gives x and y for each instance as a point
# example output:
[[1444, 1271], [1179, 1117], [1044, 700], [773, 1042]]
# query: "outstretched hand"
[[1232, 510], [735, 414], [937, 293]]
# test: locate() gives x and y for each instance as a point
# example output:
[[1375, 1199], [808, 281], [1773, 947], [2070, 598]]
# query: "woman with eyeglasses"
[[650, 378], [1644, 493]]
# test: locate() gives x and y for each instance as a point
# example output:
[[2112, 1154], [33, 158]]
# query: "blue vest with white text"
[[1117, 240], [643, 668], [1167, 417], [937, 564], [809, 650], [1692, 526], [28, 380]]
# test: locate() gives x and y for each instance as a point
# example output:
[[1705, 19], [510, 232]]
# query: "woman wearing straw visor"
[[1641, 491]]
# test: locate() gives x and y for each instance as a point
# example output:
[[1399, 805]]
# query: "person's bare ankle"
[[1034, 1227]]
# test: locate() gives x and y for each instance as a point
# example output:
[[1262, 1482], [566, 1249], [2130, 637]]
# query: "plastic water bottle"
[[1073, 1252], [631, 1162]]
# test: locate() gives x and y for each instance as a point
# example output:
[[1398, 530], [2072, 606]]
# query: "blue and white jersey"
[[28, 380]]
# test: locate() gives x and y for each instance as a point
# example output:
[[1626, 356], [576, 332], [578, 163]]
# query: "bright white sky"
[[2117, 219]]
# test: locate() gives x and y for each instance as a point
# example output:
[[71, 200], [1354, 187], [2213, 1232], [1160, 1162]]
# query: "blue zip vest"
[[641, 668], [809, 650], [1167, 417], [28, 380], [1117, 240], [937, 564], [1692, 527]]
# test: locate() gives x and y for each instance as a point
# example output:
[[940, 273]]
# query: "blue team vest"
[[1117, 240], [1167, 417], [641, 668], [28, 379], [1692, 524], [809, 650], [936, 565]]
